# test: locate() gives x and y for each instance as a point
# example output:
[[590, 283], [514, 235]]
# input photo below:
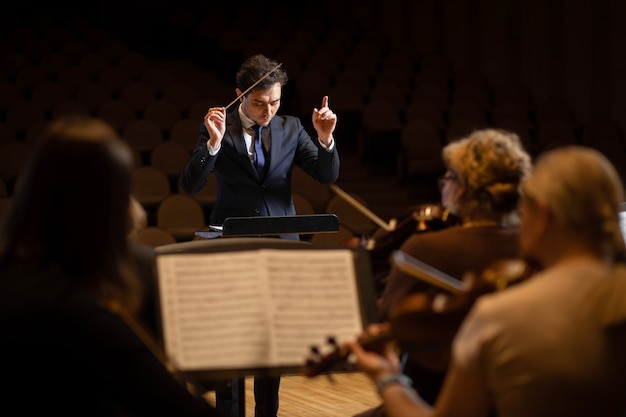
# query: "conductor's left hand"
[[324, 122]]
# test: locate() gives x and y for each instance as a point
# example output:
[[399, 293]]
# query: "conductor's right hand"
[[215, 123]]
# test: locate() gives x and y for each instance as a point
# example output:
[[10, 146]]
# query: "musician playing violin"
[[553, 344], [481, 186]]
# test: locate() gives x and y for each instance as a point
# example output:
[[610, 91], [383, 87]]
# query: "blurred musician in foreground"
[[481, 187], [552, 345], [69, 291]]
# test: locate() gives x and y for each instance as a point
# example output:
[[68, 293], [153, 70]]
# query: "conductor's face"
[[262, 105]]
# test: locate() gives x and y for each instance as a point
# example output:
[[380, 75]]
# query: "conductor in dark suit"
[[252, 151]]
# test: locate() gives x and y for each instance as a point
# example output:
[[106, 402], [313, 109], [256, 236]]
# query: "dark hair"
[[255, 68], [70, 211]]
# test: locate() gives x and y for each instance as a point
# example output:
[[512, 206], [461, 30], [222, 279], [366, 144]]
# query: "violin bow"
[[418, 269], [388, 227]]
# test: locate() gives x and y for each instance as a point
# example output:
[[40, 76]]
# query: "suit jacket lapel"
[[234, 131]]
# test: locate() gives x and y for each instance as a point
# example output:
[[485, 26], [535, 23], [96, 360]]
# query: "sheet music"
[[258, 308]]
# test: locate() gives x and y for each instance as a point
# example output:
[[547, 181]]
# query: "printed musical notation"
[[257, 308]]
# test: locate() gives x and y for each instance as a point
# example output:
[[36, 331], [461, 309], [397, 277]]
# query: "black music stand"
[[254, 232], [273, 226]]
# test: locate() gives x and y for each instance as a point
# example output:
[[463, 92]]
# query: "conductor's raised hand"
[[215, 123], [324, 122]]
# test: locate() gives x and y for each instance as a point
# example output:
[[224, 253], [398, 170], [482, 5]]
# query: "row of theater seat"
[[387, 95], [176, 216]]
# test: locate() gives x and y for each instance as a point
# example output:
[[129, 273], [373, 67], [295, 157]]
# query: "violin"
[[390, 236], [423, 324]]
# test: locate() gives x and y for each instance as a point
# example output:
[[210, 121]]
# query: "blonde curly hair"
[[490, 165]]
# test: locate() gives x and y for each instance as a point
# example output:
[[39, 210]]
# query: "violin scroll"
[[337, 359]]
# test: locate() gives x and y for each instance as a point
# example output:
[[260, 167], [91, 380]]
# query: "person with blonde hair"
[[552, 345], [481, 187]]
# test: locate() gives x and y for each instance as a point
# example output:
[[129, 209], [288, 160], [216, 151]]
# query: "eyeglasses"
[[448, 176]]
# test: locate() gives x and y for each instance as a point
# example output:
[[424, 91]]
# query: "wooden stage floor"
[[300, 396]]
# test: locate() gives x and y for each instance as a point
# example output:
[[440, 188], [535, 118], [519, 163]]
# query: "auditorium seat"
[[429, 90], [7, 135], [555, 133], [114, 78], [53, 63], [21, 114], [4, 192], [349, 215], [30, 76], [207, 194], [142, 135], [69, 106], [552, 110], [113, 48], [186, 132], [427, 110], [9, 93], [92, 96], [74, 49], [469, 110], [181, 215], [472, 93], [421, 150], [13, 62], [74, 78], [303, 204], [138, 94], [150, 186], [511, 91], [391, 91], [181, 95], [5, 206], [117, 113], [158, 78], [379, 142], [134, 63], [13, 157], [164, 114], [311, 85], [48, 93], [318, 194], [154, 236], [460, 128], [94, 63], [511, 110], [170, 158]]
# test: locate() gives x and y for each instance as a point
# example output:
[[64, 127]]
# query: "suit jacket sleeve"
[[200, 165]]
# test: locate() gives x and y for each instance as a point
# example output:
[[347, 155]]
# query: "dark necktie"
[[259, 155]]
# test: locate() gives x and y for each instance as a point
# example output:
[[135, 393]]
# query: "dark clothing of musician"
[[69, 290], [256, 180], [66, 354]]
